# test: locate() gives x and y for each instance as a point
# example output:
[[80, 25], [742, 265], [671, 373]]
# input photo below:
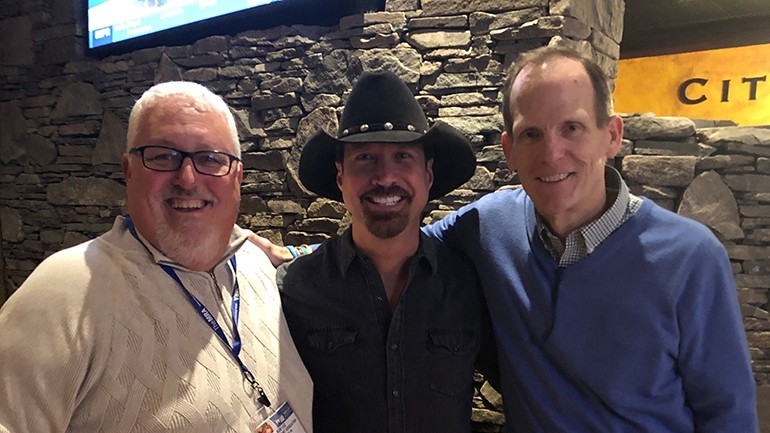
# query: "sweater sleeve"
[[443, 229], [713, 359], [56, 332], [454, 228]]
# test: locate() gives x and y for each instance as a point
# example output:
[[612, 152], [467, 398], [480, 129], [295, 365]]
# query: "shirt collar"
[[597, 231], [347, 252]]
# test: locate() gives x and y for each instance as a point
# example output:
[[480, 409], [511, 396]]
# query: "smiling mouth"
[[385, 201], [554, 178], [393, 195], [187, 205]]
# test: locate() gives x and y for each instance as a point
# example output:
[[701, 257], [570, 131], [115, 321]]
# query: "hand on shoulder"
[[276, 253]]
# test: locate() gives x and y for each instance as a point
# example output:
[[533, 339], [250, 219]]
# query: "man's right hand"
[[276, 253]]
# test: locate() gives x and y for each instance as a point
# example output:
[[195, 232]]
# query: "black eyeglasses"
[[208, 162]]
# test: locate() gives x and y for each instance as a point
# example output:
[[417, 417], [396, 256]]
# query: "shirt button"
[[396, 393], [379, 298], [329, 346], [456, 349], [394, 346]]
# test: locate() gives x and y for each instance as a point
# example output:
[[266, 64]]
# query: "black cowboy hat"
[[382, 109]]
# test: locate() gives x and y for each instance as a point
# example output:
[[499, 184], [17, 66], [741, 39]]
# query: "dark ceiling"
[[654, 27]]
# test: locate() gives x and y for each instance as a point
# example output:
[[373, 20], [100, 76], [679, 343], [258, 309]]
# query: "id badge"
[[283, 420]]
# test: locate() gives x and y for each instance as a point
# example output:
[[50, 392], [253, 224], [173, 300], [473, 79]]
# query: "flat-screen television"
[[120, 25]]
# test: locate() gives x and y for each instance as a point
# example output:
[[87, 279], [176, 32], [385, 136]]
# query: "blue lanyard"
[[207, 317]]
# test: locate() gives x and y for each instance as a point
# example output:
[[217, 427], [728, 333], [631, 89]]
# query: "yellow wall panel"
[[725, 84]]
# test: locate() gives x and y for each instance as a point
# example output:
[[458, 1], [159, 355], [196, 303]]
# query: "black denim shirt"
[[373, 371]]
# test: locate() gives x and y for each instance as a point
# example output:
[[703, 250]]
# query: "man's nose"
[[554, 146], [384, 172], [185, 175]]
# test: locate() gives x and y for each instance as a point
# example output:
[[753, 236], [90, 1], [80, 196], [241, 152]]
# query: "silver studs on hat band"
[[387, 126]]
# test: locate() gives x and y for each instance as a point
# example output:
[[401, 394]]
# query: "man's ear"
[[429, 170], [615, 130], [125, 167], [507, 144], [239, 172], [339, 174]]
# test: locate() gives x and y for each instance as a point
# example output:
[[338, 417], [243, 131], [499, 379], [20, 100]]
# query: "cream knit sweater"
[[100, 339]]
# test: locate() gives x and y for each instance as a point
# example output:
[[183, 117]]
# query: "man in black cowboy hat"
[[388, 322]]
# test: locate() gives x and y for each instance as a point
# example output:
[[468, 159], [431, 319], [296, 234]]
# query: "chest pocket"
[[453, 342], [452, 354], [330, 339]]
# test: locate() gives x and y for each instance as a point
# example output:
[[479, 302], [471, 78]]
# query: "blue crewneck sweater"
[[643, 335]]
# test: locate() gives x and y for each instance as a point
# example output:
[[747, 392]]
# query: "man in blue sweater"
[[611, 313]]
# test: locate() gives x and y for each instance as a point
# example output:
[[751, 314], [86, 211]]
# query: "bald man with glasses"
[[170, 321]]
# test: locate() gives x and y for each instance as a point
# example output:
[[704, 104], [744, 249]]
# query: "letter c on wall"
[[682, 93]]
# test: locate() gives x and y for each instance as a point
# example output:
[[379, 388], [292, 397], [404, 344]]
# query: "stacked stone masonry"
[[64, 121]]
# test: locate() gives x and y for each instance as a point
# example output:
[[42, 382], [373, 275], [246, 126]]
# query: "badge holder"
[[283, 420]]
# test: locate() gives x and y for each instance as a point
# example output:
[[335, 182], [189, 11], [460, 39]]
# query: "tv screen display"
[[116, 21]]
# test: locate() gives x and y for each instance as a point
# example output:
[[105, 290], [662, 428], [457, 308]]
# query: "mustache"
[[380, 190], [193, 193], [178, 191]]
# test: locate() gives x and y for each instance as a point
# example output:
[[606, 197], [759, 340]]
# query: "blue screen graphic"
[[118, 20]]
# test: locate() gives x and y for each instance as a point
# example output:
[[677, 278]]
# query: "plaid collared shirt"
[[583, 241]]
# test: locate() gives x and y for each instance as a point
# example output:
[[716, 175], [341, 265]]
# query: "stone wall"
[[64, 124]]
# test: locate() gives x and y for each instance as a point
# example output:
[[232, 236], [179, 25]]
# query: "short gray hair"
[[197, 96]]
